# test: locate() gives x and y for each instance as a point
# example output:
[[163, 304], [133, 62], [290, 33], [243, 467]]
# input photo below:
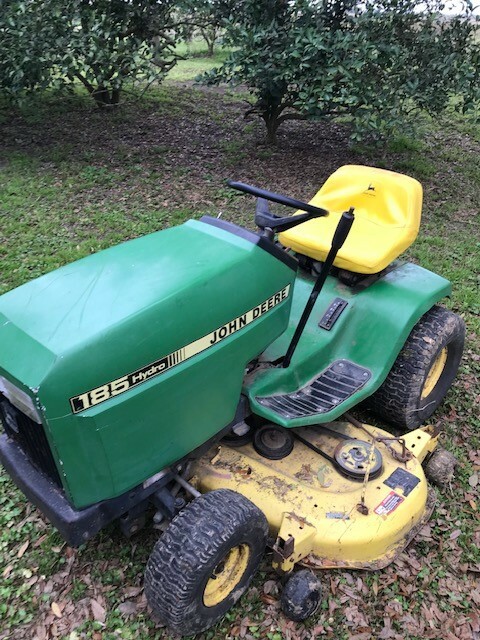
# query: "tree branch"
[[88, 86]]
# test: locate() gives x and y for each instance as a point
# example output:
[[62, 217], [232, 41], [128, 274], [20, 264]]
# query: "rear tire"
[[423, 371], [205, 560]]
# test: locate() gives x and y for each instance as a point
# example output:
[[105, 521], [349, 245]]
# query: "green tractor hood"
[[135, 356]]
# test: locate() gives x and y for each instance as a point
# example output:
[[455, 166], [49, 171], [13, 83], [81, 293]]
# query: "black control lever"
[[341, 232]]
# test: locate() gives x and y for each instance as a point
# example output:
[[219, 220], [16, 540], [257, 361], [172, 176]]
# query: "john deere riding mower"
[[196, 372]]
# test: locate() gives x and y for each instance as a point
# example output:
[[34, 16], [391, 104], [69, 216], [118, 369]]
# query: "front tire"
[[205, 560], [423, 371]]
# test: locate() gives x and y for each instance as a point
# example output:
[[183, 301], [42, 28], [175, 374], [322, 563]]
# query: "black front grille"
[[31, 437]]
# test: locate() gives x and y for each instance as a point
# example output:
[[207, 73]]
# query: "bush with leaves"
[[100, 43], [377, 63], [203, 17]]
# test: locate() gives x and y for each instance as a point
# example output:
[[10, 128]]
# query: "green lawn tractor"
[[205, 374]]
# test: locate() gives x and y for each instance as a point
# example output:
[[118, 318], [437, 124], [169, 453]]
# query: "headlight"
[[19, 399]]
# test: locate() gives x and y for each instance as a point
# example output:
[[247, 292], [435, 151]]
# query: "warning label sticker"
[[389, 504]]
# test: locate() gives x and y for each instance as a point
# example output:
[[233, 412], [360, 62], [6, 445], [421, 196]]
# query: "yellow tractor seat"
[[388, 208]]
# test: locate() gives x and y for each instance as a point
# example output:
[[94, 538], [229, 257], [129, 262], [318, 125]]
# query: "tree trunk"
[[102, 96], [271, 122], [209, 35], [275, 116], [115, 98], [105, 97]]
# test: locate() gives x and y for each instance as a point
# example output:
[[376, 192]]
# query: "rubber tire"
[[273, 453], [301, 596], [185, 556], [440, 467], [399, 400], [232, 440]]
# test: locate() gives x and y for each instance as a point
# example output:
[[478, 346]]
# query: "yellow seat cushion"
[[388, 208]]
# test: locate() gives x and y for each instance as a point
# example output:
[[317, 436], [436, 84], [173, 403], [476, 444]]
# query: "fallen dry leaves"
[[417, 596]]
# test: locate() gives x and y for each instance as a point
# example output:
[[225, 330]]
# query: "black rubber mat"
[[332, 387]]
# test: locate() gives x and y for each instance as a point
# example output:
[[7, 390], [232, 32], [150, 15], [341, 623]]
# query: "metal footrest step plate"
[[332, 387]]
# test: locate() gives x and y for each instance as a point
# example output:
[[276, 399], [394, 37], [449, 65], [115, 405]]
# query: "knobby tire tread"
[[398, 400], [173, 576]]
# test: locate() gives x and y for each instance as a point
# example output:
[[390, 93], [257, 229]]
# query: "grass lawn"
[[73, 181], [195, 60]]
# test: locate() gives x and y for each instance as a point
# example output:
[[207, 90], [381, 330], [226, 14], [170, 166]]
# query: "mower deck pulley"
[[354, 457]]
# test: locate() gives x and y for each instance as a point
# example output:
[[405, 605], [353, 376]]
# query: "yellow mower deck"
[[313, 510]]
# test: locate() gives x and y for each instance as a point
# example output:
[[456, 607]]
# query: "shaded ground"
[[75, 180], [186, 133]]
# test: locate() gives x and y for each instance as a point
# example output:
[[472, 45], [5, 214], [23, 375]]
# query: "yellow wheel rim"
[[435, 372], [226, 575]]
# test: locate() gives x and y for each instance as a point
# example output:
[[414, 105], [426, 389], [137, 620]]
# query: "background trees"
[[376, 62], [100, 43], [205, 17]]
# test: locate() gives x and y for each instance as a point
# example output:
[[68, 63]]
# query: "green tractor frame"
[[207, 373]]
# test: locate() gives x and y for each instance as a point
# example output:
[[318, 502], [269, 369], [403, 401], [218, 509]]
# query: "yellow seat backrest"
[[387, 207]]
